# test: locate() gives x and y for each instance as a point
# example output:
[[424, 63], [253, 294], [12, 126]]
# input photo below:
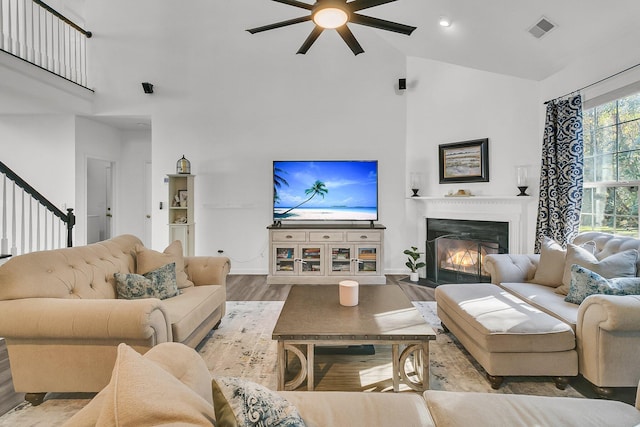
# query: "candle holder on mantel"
[[522, 180], [416, 183]]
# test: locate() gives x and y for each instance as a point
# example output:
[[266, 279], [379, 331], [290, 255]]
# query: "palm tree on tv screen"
[[318, 187], [278, 181]]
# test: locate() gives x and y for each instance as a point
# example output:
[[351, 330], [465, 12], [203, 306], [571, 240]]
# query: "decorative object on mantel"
[[413, 263], [523, 179], [459, 193], [416, 183], [183, 166], [466, 161]]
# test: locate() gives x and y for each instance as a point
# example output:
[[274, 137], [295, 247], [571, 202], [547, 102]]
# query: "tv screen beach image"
[[325, 190]]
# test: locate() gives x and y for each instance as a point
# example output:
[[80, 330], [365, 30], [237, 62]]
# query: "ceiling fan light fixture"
[[444, 21], [330, 15]]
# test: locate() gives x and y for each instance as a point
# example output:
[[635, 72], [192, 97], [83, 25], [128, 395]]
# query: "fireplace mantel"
[[518, 211]]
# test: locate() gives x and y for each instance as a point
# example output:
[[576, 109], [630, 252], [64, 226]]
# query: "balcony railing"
[[35, 32]]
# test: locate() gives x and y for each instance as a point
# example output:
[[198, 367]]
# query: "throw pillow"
[[551, 265], [159, 283], [585, 282], [148, 259], [621, 264], [241, 403], [141, 393]]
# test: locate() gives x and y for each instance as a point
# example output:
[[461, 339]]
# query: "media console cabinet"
[[326, 254]]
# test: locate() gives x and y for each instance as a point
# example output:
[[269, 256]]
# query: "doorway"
[[99, 200]]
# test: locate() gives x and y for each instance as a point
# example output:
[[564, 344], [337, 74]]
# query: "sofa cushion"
[[462, 409], [159, 283], [546, 299], [585, 282], [243, 403], [344, 408], [148, 259], [192, 307], [551, 266], [141, 393], [501, 322], [621, 264]]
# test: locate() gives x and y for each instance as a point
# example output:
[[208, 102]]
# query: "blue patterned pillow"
[[585, 282], [159, 283], [238, 402]]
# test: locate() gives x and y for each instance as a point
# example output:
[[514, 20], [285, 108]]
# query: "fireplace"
[[455, 248]]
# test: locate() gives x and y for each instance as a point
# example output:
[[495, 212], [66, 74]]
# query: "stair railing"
[[37, 33], [40, 224]]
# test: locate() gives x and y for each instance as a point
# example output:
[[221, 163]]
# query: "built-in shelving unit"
[[326, 254], [181, 204]]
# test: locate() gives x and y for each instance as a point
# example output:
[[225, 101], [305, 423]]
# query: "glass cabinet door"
[[285, 260], [367, 259], [311, 260], [340, 264]]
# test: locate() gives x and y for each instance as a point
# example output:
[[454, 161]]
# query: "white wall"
[[245, 104], [131, 184], [448, 103], [129, 151], [41, 149]]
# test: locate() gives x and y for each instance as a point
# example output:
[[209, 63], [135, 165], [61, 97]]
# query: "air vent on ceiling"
[[542, 27]]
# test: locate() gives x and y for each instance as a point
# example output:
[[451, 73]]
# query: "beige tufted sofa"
[[604, 329], [62, 320]]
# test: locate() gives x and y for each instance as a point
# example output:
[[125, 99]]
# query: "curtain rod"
[[594, 83]]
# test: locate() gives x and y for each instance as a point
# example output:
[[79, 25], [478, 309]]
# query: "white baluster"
[[53, 231], [83, 61], [23, 31], [38, 247], [9, 43], [4, 242], [59, 233], [30, 224], [2, 26], [14, 250], [32, 46], [22, 226]]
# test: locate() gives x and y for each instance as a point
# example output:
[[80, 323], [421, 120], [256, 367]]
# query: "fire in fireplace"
[[456, 248]]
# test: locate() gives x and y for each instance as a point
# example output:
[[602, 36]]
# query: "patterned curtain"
[[561, 173]]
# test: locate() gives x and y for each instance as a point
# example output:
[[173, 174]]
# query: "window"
[[612, 167]]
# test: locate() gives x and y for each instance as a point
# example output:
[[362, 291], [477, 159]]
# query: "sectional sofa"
[[526, 324], [62, 317]]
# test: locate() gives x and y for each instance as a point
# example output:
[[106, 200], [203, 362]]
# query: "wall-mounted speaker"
[[147, 87], [402, 84]]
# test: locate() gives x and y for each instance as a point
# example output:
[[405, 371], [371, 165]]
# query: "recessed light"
[[444, 21]]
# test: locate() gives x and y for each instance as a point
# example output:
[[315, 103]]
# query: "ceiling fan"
[[335, 14]]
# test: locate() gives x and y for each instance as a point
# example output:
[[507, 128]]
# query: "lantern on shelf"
[[183, 166]]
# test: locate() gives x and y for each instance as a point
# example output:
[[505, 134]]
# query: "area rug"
[[242, 347]]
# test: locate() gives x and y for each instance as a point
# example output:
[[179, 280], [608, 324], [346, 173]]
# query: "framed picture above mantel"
[[466, 161]]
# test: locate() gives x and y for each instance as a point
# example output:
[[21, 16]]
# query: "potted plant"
[[413, 262]]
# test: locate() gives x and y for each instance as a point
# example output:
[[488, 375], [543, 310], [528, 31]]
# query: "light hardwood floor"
[[254, 288]]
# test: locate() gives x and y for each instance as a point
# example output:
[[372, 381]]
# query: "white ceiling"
[[489, 35]]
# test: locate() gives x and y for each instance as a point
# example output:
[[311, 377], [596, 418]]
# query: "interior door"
[[99, 199]]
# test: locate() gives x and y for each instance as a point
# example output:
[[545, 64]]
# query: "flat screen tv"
[[326, 190]]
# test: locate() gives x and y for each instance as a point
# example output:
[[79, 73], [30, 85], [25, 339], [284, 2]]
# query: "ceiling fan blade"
[[350, 39], [381, 24], [297, 4], [279, 24], [365, 4], [310, 40]]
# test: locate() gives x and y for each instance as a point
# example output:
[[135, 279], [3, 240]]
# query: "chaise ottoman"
[[507, 336]]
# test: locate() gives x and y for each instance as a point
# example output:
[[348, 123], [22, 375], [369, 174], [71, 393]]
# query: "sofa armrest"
[[509, 268], [610, 312], [207, 270], [98, 319]]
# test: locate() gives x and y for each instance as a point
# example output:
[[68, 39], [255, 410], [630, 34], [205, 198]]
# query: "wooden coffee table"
[[312, 315]]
